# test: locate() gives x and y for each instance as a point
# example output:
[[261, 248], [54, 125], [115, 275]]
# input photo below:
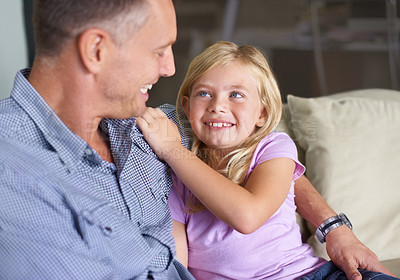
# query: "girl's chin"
[[222, 149]]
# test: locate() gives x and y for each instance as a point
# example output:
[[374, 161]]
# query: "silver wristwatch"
[[330, 224]]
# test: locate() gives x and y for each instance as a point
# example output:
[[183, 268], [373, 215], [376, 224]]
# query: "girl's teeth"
[[219, 124]]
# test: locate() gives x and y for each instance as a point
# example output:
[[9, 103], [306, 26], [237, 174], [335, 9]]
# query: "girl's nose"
[[218, 105]]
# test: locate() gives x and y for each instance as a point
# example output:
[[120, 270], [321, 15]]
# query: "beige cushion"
[[352, 154], [393, 266], [288, 126]]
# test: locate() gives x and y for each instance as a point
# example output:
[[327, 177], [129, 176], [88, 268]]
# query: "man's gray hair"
[[57, 21]]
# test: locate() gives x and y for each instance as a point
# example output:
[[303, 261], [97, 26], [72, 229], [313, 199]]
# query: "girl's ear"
[[185, 105], [262, 118]]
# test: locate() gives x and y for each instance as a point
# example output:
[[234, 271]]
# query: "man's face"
[[137, 65]]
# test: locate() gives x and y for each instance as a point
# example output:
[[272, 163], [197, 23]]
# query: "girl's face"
[[224, 107]]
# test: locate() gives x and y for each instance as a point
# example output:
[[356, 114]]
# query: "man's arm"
[[21, 257], [51, 228], [310, 204], [343, 247], [35, 242]]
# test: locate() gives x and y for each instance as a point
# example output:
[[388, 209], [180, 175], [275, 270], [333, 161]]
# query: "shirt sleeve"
[[51, 230], [176, 201], [276, 145], [31, 248]]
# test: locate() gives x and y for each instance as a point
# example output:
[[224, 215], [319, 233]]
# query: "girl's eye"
[[203, 93], [236, 95]]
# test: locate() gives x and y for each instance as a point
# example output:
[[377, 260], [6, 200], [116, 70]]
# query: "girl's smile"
[[218, 124]]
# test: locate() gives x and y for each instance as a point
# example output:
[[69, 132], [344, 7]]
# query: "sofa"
[[350, 145]]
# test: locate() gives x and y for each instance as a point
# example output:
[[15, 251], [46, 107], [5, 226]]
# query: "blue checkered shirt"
[[67, 214]]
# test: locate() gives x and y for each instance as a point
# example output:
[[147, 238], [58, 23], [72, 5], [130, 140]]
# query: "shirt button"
[[88, 151], [107, 230], [88, 217]]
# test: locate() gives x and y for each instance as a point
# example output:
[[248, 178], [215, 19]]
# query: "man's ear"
[[185, 105], [92, 45], [262, 118]]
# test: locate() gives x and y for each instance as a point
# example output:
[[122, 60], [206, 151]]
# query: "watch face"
[[346, 220]]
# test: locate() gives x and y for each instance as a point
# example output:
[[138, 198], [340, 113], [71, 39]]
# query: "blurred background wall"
[[315, 47], [13, 47]]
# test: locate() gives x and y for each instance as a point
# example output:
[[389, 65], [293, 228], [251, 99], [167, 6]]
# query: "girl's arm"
[[244, 209], [179, 234]]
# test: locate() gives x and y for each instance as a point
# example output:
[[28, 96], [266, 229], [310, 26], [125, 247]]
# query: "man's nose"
[[167, 67]]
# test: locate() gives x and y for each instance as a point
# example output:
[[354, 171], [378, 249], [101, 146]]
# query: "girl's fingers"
[[160, 113], [147, 116], [153, 114], [142, 123]]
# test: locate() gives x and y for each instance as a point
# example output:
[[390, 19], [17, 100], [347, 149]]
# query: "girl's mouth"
[[219, 124]]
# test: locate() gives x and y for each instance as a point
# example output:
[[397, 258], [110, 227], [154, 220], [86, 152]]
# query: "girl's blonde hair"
[[221, 54]]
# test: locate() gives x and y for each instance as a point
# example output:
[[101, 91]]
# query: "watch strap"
[[330, 224]]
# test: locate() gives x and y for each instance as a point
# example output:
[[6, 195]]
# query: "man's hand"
[[343, 247], [348, 253], [160, 132]]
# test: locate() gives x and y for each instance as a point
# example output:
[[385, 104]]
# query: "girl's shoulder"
[[274, 145], [278, 140]]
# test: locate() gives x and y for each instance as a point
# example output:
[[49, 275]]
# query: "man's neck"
[[101, 145], [72, 98]]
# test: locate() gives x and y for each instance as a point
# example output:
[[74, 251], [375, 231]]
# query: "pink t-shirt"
[[274, 251]]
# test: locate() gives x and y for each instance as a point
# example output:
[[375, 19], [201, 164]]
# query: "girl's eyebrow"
[[229, 87], [201, 86], [237, 87]]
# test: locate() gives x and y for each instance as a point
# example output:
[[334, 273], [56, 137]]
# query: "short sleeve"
[[176, 200], [276, 145]]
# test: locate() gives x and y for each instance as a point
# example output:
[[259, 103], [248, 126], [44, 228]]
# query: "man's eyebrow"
[[166, 45]]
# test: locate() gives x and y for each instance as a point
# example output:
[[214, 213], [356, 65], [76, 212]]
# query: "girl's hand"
[[160, 132]]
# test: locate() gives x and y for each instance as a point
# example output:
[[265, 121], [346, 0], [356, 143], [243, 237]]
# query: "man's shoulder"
[[11, 112], [179, 118], [15, 123], [18, 139], [169, 110], [9, 107], [21, 157], [175, 114]]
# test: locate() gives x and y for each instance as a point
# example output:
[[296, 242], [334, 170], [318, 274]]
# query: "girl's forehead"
[[229, 67]]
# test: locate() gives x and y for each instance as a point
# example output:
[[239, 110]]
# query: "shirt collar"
[[70, 147], [119, 131]]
